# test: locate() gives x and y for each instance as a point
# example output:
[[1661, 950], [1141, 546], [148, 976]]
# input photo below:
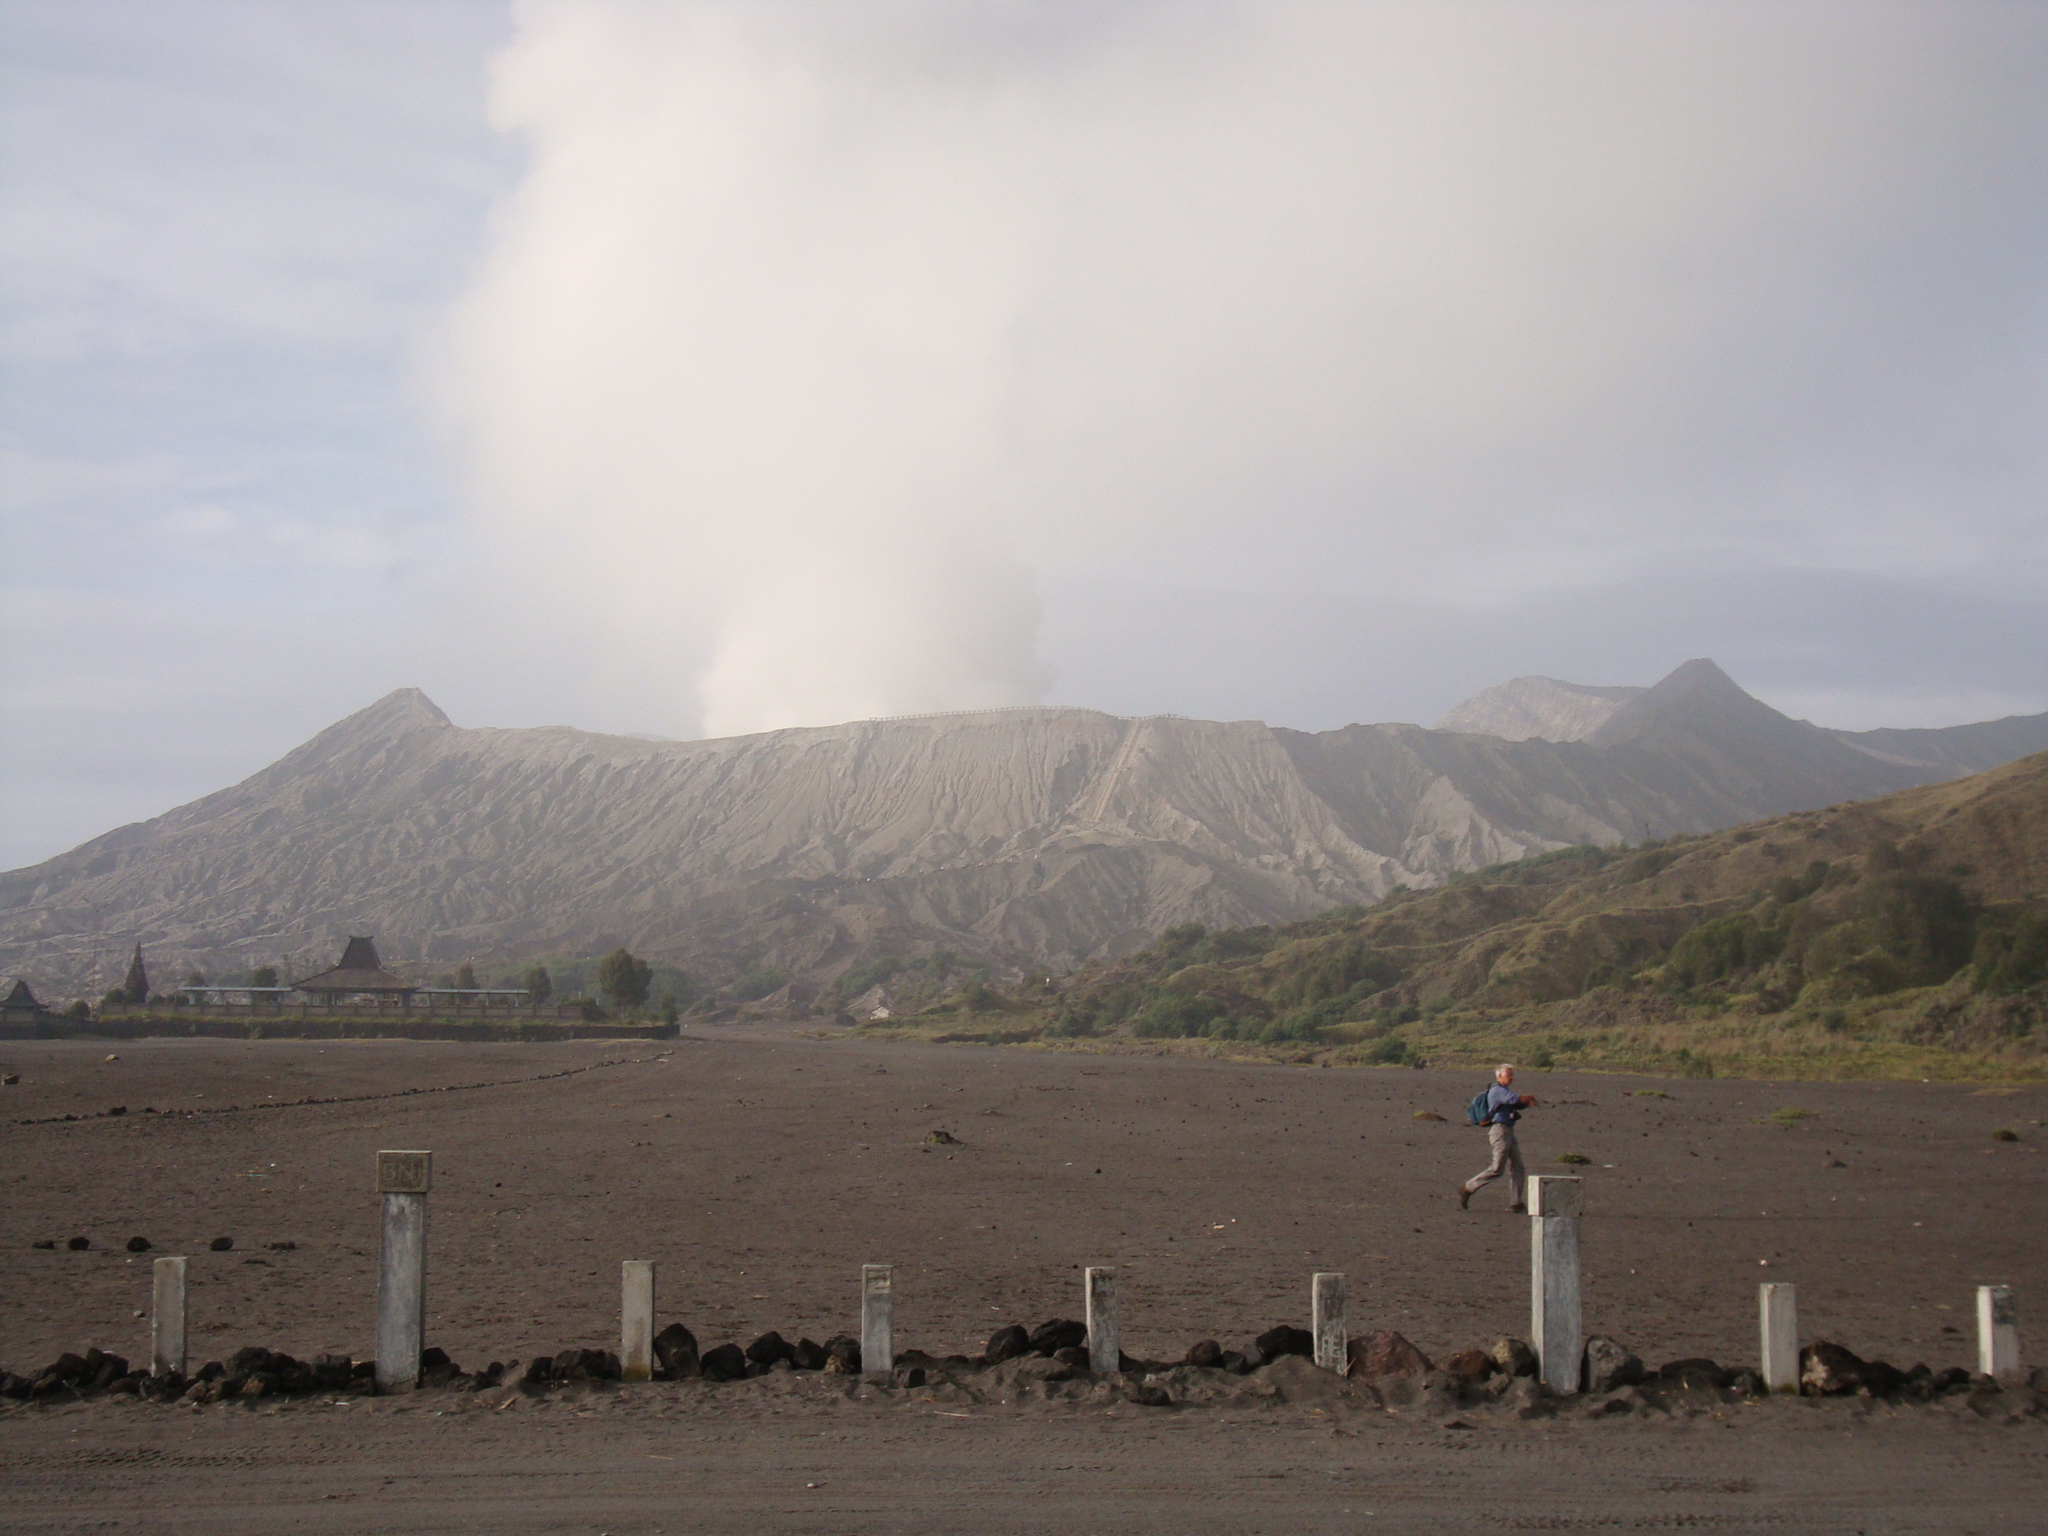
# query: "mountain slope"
[[1034, 837], [1905, 935]]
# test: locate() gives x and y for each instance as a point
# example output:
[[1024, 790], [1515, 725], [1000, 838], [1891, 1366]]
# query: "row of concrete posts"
[[1556, 1326]]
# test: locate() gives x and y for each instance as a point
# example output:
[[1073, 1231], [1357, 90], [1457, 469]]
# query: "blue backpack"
[[1476, 1112]]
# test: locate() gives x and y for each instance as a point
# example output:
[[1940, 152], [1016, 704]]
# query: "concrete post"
[[877, 1321], [636, 1319], [1105, 1350], [1998, 1332], [167, 1318], [1333, 1344], [1778, 1319], [1555, 1326], [403, 1179]]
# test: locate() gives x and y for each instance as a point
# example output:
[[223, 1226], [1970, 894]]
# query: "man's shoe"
[[1518, 1210], [1464, 1197]]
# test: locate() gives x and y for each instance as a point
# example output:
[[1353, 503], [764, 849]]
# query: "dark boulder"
[[1077, 1358], [1007, 1344], [1384, 1354], [587, 1365], [79, 1244], [675, 1353], [213, 1370], [13, 1386], [1471, 1366], [807, 1355], [138, 1245], [1826, 1369], [252, 1357], [727, 1362], [1609, 1366], [221, 1244], [1954, 1379], [108, 1370], [1234, 1362], [44, 1242], [1881, 1378], [1285, 1340], [1059, 1333], [770, 1349], [539, 1371], [331, 1372], [1695, 1372], [842, 1356], [1208, 1354], [1747, 1383], [1149, 1396], [67, 1370], [1513, 1357]]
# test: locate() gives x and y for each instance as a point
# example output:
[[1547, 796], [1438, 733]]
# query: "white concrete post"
[[636, 1319], [1555, 1326], [1998, 1332], [1333, 1344], [167, 1318], [877, 1321], [1777, 1309], [403, 1179], [1105, 1351]]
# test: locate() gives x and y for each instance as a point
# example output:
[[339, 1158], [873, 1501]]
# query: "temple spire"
[[136, 987]]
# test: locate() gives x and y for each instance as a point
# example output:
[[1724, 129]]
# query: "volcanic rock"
[[44, 1242], [1059, 1333], [1071, 1355], [221, 1244], [675, 1353], [726, 1362], [1007, 1344], [770, 1348], [1826, 1369], [808, 1355], [1286, 1340], [1609, 1366], [1384, 1353], [138, 1245], [79, 1244], [1513, 1357], [1471, 1366], [842, 1356], [1208, 1354], [1695, 1373]]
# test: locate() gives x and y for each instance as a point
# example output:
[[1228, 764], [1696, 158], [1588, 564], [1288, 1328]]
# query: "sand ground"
[[762, 1167]]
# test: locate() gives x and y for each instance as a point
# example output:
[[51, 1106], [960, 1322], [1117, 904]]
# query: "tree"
[[540, 986], [465, 976], [263, 976], [136, 989], [623, 978], [194, 979]]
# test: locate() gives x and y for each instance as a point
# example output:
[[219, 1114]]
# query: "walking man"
[[1504, 1107]]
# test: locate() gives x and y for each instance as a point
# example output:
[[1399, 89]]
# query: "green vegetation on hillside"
[[1906, 936]]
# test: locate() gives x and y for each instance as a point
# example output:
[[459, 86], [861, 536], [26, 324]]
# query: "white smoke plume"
[[814, 331]]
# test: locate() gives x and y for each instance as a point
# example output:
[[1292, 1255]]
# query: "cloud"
[[813, 338]]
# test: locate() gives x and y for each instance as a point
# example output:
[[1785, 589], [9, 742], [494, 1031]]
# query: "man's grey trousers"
[[1507, 1159]]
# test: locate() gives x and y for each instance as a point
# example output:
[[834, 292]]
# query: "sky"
[[693, 369]]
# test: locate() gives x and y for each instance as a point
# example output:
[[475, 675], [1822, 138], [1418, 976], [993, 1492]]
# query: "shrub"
[[2011, 956], [1389, 1052], [758, 984], [1722, 947], [622, 977], [1176, 1017]]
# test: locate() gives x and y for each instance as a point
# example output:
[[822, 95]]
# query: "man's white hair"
[[1506, 1066]]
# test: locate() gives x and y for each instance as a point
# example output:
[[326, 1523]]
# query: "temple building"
[[359, 975]]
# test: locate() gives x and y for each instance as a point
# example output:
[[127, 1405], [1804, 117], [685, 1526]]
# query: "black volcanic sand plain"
[[761, 1166]]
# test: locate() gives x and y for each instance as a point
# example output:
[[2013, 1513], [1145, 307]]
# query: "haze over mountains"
[[1037, 837]]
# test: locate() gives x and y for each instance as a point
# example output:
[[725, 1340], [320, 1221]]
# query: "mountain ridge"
[[1036, 837]]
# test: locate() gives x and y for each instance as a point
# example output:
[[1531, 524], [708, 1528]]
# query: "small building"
[[22, 1013], [361, 976]]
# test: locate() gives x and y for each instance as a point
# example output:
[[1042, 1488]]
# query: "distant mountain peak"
[[399, 712], [1537, 708]]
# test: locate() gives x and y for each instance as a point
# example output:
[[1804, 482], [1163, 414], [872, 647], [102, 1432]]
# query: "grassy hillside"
[[1899, 937]]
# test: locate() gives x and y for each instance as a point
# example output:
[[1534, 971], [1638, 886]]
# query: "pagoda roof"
[[360, 970]]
